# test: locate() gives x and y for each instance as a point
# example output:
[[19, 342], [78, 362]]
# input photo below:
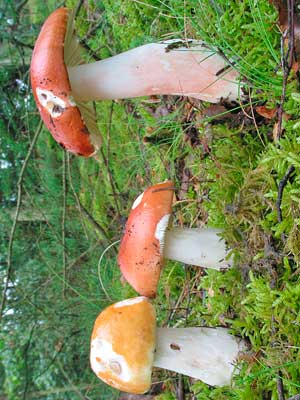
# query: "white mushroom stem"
[[157, 69], [202, 247], [208, 354]]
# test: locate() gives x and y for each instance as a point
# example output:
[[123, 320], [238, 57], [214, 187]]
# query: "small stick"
[[281, 187], [280, 389], [287, 60]]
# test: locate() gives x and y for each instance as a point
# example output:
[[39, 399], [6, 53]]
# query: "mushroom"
[[148, 239], [188, 68], [69, 124], [125, 344]]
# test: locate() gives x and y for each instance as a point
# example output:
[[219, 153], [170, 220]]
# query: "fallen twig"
[[281, 187], [287, 60], [280, 389]]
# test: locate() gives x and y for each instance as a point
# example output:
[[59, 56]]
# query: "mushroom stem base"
[[208, 354]]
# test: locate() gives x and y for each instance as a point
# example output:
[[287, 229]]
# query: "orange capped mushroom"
[[125, 344], [140, 254], [122, 345], [148, 239]]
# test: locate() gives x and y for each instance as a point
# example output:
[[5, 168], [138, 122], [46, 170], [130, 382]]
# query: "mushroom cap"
[[123, 343], [141, 250], [52, 90]]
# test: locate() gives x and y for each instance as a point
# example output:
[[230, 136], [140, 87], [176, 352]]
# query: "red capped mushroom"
[[148, 239], [125, 344], [52, 91], [177, 67]]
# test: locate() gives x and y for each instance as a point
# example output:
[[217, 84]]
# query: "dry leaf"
[[265, 112]]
